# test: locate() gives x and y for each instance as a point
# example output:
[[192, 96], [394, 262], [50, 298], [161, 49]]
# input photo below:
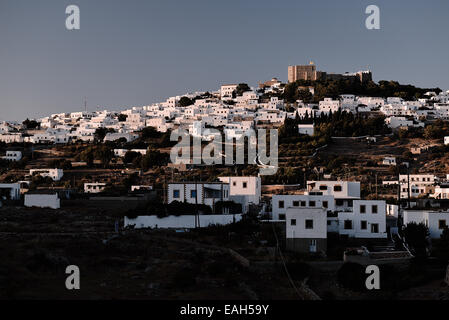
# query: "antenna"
[[85, 104]]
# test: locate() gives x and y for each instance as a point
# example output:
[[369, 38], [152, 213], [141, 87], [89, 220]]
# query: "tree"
[[185, 101], [30, 124], [122, 117], [150, 132], [441, 247], [100, 133], [304, 95], [130, 156], [154, 158], [241, 87], [416, 237]]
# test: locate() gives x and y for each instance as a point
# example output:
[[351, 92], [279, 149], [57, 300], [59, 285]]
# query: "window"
[[245, 185], [281, 216], [337, 188], [234, 183], [374, 228], [348, 224], [329, 222], [441, 224], [362, 208], [325, 204], [281, 203], [374, 209], [303, 203], [296, 203], [363, 225], [311, 203], [323, 187], [175, 193], [339, 202], [293, 222], [192, 193], [309, 224]]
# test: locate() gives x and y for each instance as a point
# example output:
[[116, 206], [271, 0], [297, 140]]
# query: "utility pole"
[[408, 185], [376, 186]]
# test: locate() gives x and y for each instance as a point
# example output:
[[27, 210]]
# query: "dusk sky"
[[137, 52]]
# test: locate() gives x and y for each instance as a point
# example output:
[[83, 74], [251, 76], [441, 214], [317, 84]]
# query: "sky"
[[137, 52]]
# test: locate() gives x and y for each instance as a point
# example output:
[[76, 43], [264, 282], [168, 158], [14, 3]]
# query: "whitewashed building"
[[13, 156], [306, 229], [94, 187], [54, 174]]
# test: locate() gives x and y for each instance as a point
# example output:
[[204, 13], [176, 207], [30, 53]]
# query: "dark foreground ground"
[[36, 246]]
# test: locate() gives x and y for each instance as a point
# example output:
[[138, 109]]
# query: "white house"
[[40, 200], [446, 140], [10, 191], [122, 152], [441, 192], [94, 187], [389, 161], [249, 187], [54, 174], [13, 156], [306, 229], [208, 193]]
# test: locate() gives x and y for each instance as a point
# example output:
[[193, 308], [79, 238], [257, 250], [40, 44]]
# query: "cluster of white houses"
[[325, 207], [222, 108]]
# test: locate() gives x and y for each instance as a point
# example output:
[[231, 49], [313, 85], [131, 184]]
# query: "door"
[[312, 246]]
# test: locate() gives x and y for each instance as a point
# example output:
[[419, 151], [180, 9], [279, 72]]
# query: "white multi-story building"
[[227, 90], [329, 105], [366, 220], [280, 203], [11, 137], [420, 184]]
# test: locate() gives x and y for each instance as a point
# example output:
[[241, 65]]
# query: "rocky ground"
[[233, 262]]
